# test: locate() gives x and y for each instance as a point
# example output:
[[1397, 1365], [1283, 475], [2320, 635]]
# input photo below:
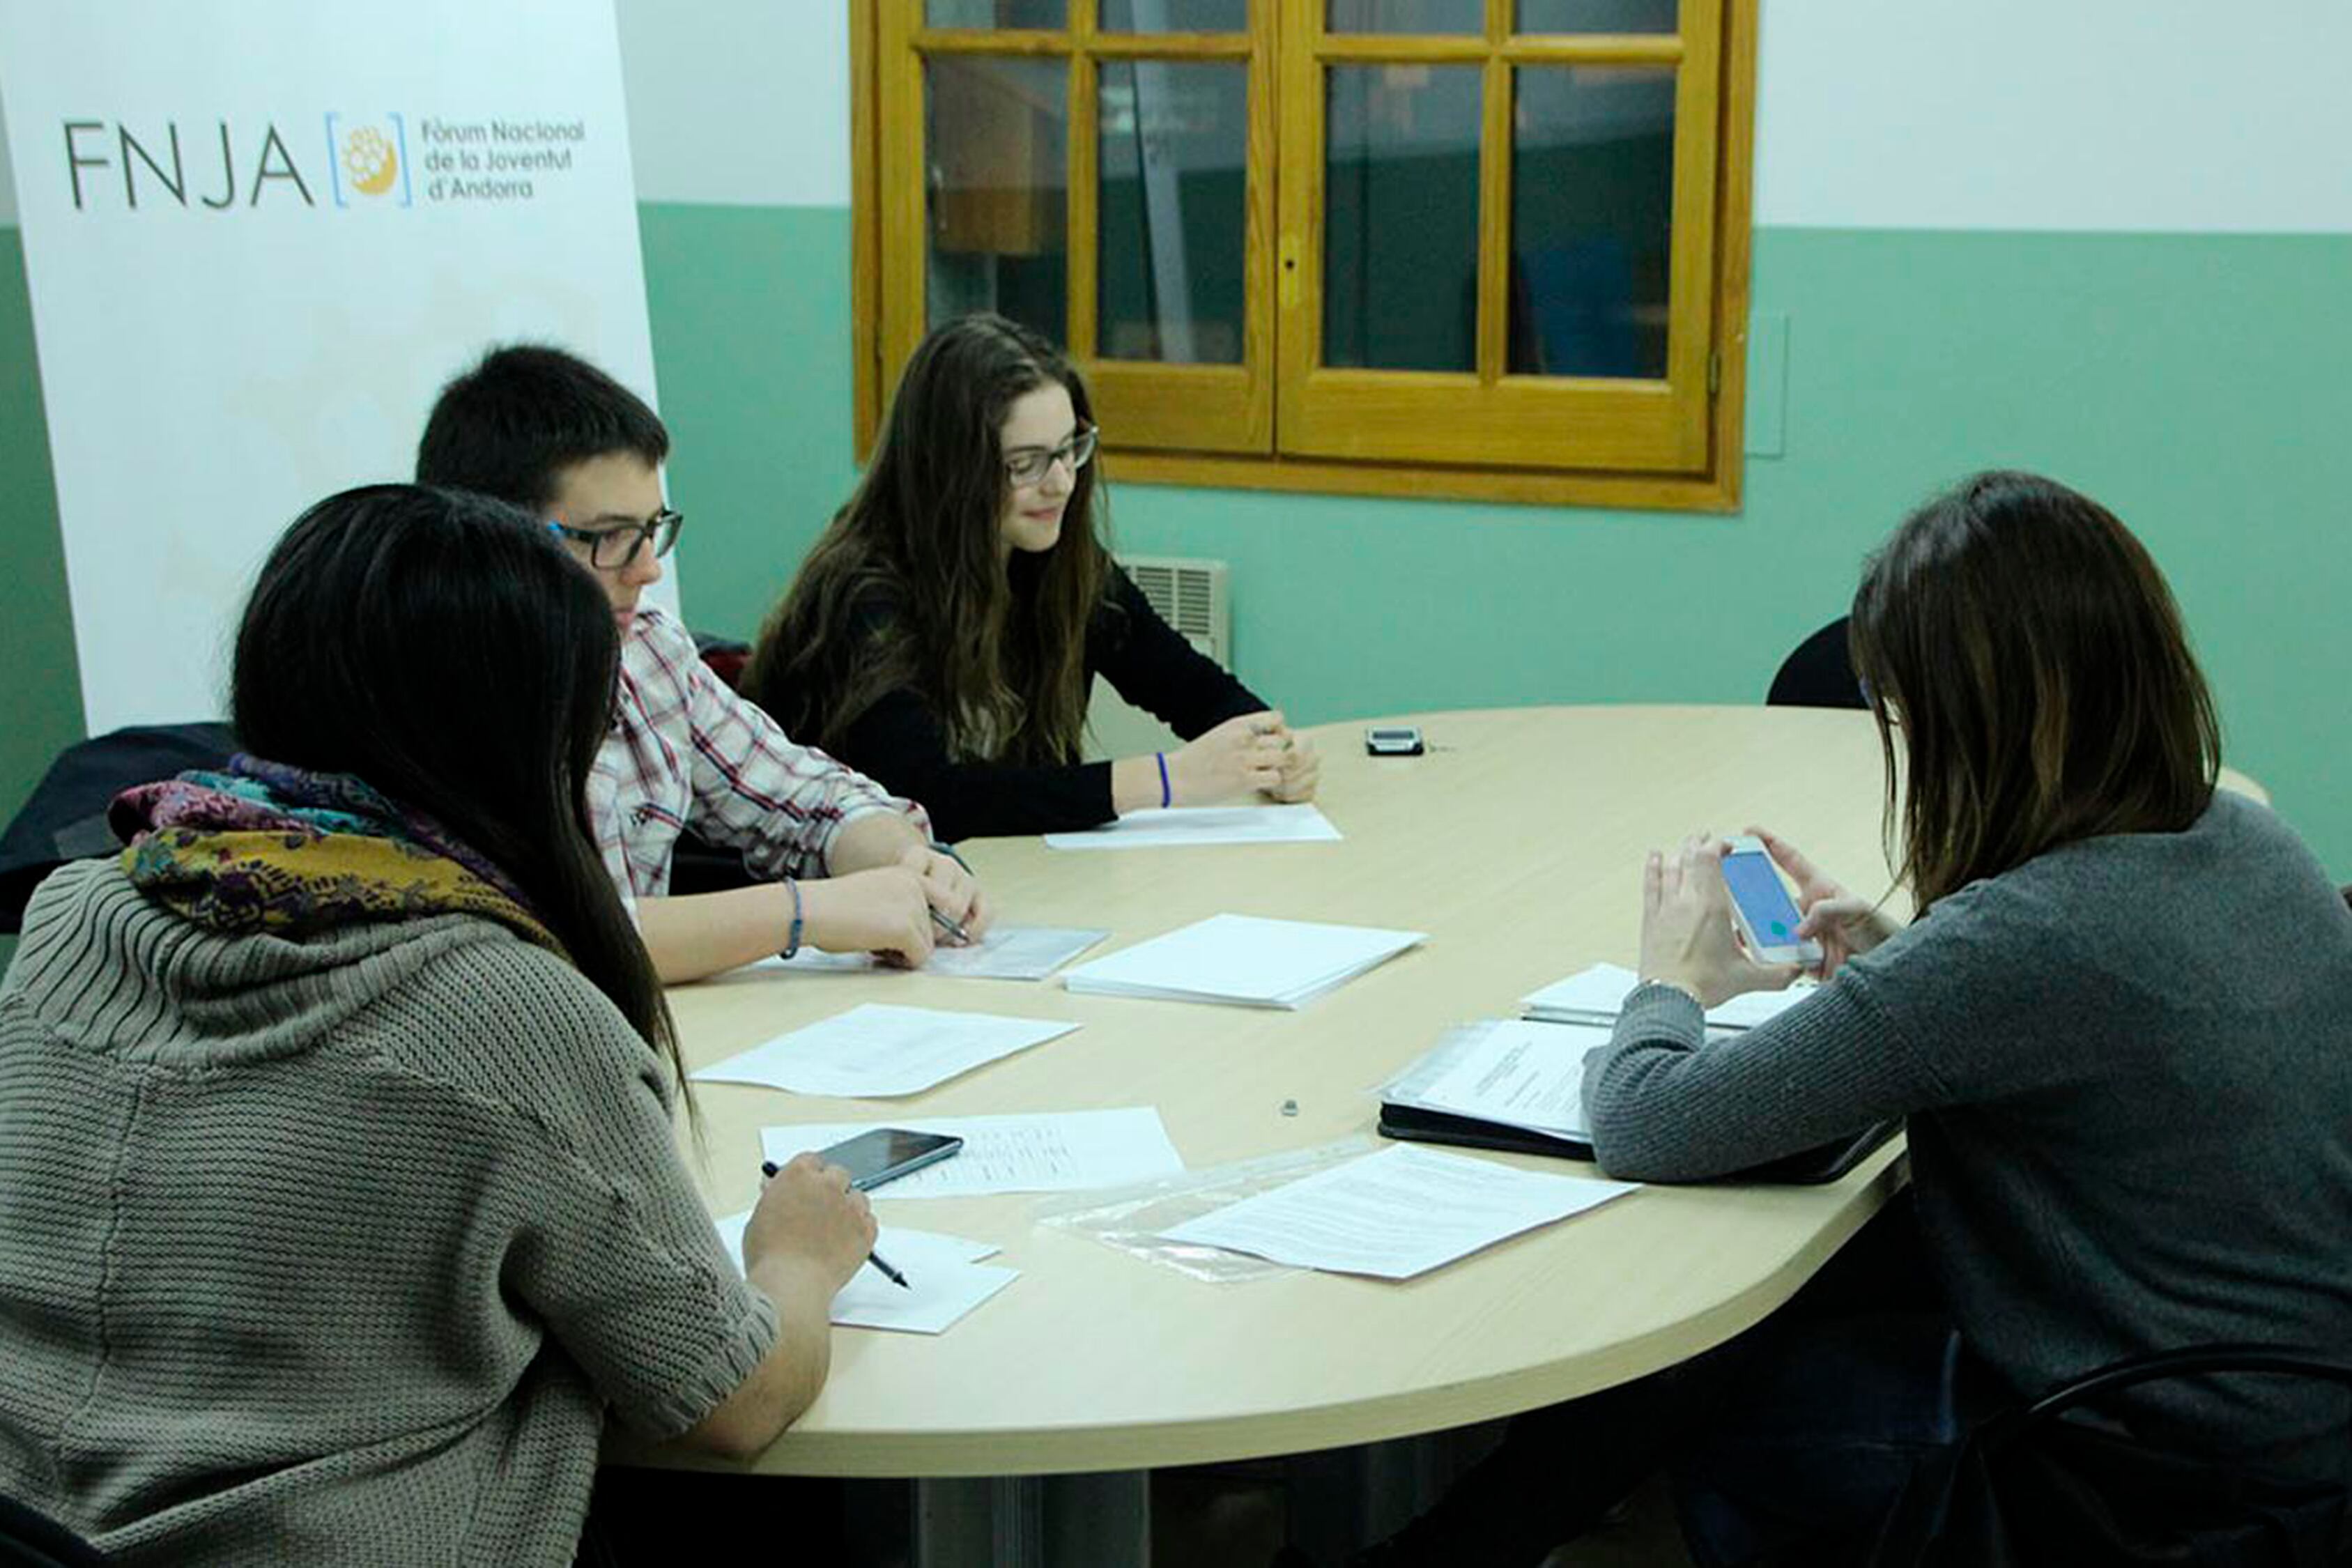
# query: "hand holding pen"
[[856, 1201]]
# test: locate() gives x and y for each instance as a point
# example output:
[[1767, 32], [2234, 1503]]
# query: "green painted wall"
[[2194, 382], [42, 674]]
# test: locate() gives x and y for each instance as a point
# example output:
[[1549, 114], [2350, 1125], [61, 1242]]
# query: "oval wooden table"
[[1517, 843]]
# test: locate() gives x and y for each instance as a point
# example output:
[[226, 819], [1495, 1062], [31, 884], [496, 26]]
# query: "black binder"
[[1807, 1167]]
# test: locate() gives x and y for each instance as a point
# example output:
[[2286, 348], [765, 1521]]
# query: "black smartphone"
[[887, 1153]]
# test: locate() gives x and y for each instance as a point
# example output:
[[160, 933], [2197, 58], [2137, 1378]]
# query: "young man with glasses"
[[842, 864]]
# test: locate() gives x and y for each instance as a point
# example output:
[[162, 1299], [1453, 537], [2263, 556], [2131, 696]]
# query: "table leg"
[[1033, 1521]]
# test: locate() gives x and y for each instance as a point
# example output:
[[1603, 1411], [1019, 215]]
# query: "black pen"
[[768, 1168], [952, 927]]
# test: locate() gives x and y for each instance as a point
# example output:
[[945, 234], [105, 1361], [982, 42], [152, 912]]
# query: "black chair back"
[[2026, 1490], [1818, 673], [65, 819]]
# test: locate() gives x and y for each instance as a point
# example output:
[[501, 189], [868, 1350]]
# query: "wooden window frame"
[[1280, 330]]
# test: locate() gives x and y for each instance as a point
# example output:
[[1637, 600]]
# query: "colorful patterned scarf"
[[263, 847]]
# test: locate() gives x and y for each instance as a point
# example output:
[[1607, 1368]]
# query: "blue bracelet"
[[1162, 756], [792, 941]]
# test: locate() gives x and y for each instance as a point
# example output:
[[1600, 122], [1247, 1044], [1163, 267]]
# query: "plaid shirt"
[[685, 751]]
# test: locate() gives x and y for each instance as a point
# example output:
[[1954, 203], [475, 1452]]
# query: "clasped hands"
[[1256, 751]]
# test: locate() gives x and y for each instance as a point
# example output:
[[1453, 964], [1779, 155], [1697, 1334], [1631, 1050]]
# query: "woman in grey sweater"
[[339, 1198], [2115, 1028]]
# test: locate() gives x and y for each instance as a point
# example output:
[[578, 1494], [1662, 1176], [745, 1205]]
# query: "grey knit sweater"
[[335, 1250], [2127, 1071]]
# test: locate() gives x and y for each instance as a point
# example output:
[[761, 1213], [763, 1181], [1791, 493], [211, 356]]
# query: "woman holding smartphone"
[[944, 634], [339, 1195], [2115, 1030]]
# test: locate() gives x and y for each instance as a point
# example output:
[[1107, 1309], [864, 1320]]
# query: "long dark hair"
[[441, 647], [997, 647], [2027, 650]]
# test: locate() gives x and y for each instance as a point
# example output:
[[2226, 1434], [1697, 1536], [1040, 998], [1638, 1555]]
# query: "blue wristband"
[[1162, 757], [792, 941]]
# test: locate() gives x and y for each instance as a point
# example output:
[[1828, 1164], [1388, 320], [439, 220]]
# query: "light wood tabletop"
[[1517, 843]]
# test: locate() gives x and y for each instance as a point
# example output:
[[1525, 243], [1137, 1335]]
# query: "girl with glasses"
[[944, 633]]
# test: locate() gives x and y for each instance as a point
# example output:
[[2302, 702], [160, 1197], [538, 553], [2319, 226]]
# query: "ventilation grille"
[[1191, 596]]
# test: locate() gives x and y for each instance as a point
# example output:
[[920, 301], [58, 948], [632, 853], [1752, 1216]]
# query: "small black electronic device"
[[1392, 741], [887, 1153]]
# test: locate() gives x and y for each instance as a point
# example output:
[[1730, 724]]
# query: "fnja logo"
[[370, 160]]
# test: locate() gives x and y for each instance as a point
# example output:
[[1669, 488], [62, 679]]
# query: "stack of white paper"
[[1515, 1073], [1204, 825], [1062, 1152], [1596, 996], [1006, 953], [1401, 1212], [1243, 960], [876, 1051], [945, 1278]]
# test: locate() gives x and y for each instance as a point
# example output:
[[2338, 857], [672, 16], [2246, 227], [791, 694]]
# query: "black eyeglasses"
[[610, 548], [1030, 465]]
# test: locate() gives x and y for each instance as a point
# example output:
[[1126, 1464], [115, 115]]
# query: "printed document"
[[1243, 960], [876, 1051], [1516, 1072], [945, 1278], [1006, 953], [1204, 825], [1401, 1212], [1596, 996], [1054, 1151]]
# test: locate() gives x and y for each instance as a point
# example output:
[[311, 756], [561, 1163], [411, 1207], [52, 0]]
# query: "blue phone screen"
[[1756, 887]]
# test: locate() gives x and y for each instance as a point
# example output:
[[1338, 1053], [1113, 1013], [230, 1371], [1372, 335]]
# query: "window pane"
[[1174, 159], [997, 135], [1597, 16], [989, 14], [1593, 183], [1400, 218], [1408, 16], [1175, 15]]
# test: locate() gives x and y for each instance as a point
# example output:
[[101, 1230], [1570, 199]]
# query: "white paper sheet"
[[876, 1051], [1243, 960], [1515, 1072], [1006, 953], [945, 1278], [1052, 1151], [1596, 996], [1401, 1212], [1204, 825]]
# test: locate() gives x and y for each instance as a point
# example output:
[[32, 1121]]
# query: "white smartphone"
[[1394, 741], [1768, 916]]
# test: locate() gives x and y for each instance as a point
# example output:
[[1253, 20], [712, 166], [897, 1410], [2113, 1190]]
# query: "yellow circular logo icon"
[[370, 161]]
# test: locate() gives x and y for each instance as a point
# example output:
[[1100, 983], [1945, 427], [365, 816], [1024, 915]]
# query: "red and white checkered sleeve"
[[758, 792]]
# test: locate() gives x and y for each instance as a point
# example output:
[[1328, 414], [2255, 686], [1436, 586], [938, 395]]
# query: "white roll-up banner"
[[259, 235]]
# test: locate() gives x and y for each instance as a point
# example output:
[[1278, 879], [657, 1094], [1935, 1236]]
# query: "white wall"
[[737, 101], [2162, 115], [2034, 114], [2168, 115]]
